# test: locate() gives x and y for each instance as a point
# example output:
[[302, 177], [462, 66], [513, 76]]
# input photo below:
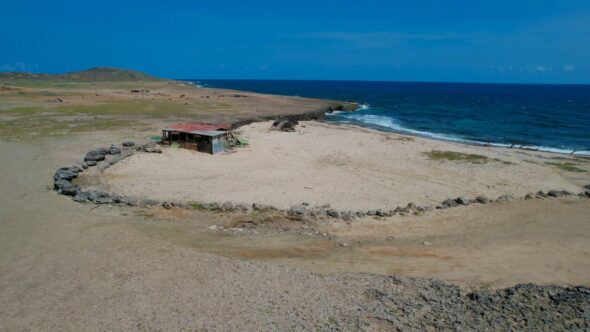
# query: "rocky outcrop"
[[284, 125]]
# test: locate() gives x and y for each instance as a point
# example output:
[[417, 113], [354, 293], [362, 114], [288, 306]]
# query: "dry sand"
[[345, 166]]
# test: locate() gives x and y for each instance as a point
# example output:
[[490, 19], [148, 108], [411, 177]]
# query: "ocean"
[[553, 118]]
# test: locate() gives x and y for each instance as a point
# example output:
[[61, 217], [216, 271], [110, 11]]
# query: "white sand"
[[344, 166]]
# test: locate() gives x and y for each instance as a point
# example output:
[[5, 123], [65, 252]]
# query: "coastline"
[[387, 123]]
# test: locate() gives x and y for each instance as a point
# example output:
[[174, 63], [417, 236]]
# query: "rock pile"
[[414, 304], [284, 125]]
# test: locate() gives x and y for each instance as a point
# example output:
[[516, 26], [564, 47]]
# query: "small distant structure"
[[204, 137]]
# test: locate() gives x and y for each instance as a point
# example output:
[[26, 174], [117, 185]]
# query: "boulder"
[[146, 202], [66, 173], [128, 144], [284, 125], [242, 207], [347, 215], [482, 199], [211, 206], [372, 212], [114, 150], [529, 196], [449, 203], [587, 192], [555, 193], [71, 190], [504, 198], [361, 214], [104, 200], [463, 200], [333, 213], [61, 183], [261, 207], [91, 163], [227, 206], [95, 155], [298, 210], [81, 197], [541, 194]]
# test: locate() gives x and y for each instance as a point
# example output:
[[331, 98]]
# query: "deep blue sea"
[[549, 117]]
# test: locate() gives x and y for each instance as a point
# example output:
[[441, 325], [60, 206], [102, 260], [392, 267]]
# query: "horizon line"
[[376, 81]]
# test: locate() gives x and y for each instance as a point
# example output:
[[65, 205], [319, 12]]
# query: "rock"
[[102, 165], [146, 202], [91, 163], [58, 100], [347, 215], [463, 200], [412, 206], [587, 192], [541, 194], [211, 206], [82, 164], [529, 196], [555, 193], [114, 150], [227, 206], [128, 144], [95, 155], [449, 203], [71, 190], [104, 200], [81, 197], [215, 228], [426, 243], [242, 207], [360, 214], [482, 199], [61, 183], [149, 148], [333, 213], [284, 125], [167, 205], [504, 198], [372, 212], [66, 173], [262, 207], [298, 210]]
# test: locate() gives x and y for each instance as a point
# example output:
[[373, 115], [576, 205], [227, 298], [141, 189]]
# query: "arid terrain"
[[72, 266]]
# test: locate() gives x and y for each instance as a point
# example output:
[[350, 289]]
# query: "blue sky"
[[540, 41]]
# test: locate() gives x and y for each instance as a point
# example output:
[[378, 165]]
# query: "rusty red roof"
[[198, 126]]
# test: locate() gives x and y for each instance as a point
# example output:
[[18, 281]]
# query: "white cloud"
[[19, 66]]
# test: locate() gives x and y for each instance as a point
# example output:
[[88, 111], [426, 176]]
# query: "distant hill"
[[95, 74]]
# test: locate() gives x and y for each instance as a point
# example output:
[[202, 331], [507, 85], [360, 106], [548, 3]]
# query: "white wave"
[[364, 106], [391, 124], [336, 113]]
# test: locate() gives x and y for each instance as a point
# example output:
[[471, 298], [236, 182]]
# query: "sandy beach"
[[347, 167]]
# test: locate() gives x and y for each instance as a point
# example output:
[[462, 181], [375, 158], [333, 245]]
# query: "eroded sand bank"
[[345, 166]]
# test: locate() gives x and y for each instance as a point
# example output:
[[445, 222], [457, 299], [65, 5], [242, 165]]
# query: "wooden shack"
[[204, 137]]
